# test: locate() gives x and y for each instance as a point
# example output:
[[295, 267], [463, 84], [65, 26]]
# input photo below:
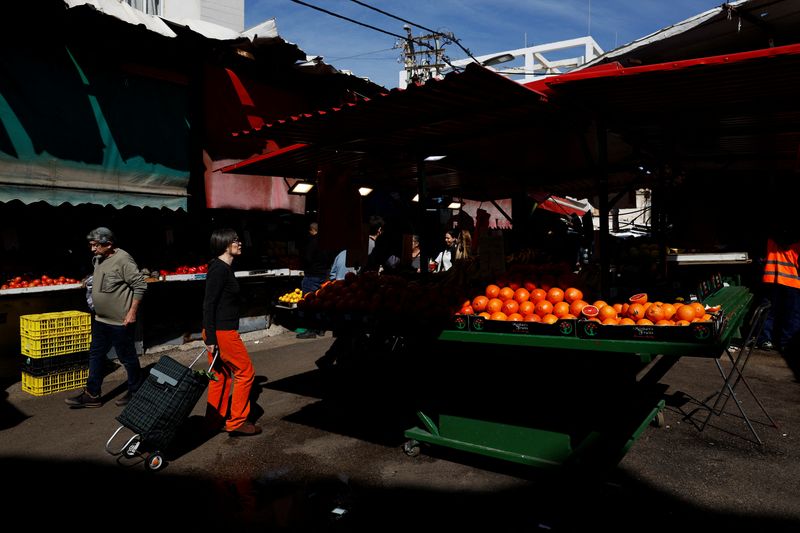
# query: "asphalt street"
[[331, 459]]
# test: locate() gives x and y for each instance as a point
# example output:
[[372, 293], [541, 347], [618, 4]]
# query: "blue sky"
[[483, 26]]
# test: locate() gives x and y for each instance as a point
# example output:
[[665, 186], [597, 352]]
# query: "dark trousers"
[[104, 336], [783, 321]]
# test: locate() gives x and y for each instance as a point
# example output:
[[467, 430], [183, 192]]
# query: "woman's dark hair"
[[454, 233], [221, 239]]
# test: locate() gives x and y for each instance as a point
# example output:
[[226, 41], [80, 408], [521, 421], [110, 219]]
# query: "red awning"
[[559, 205]]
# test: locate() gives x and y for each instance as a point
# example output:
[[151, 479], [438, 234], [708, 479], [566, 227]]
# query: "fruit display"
[[185, 269], [385, 297], [22, 282], [291, 297]]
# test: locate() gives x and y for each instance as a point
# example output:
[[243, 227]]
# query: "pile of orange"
[[639, 311], [524, 302]]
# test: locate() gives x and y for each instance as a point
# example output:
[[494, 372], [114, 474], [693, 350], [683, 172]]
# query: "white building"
[[227, 13]]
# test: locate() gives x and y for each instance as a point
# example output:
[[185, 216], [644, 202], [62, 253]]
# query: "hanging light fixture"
[[301, 187], [363, 191]]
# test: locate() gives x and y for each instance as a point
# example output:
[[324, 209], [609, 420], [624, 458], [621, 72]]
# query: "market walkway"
[[330, 459]]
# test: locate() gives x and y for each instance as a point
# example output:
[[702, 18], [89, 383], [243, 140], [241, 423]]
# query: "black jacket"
[[221, 302]]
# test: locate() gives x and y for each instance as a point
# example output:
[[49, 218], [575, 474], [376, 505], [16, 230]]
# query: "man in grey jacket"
[[117, 291]]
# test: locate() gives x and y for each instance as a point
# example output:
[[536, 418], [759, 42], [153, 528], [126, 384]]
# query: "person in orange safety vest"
[[782, 283]]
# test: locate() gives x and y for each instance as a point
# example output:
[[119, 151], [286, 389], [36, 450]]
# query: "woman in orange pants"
[[226, 410]]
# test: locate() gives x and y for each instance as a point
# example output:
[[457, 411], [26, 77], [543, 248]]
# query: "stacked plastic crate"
[[55, 351]]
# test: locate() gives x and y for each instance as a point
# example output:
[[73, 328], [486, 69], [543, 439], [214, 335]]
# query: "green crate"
[[55, 324], [50, 346], [61, 381]]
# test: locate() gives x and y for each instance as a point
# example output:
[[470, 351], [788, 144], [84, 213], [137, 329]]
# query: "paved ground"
[[330, 459]]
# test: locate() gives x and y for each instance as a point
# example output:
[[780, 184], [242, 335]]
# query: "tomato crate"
[[55, 324], [41, 366], [50, 346], [60, 381]]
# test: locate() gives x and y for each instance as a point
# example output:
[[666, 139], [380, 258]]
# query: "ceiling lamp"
[[363, 191], [454, 205]]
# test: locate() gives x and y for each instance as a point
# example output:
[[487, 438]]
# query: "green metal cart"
[[564, 401]]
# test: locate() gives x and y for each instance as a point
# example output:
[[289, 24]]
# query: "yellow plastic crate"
[[55, 324], [50, 346], [50, 383]]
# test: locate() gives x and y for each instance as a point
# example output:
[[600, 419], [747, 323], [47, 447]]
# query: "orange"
[[515, 317], [529, 285], [600, 304], [572, 294], [526, 308], [555, 295], [664, 322], [498, 316], [654, 313], [590, 311], [610, 321], [479, 303], [643, 322], [533, 317], [494, 305], [569, 315], [640, 298], [506, 293], [544, 308], [492, 291], [685, 313], [682, 323], [561, 309], [636, 311], [699, 309], [607, 312], [521, 295], [467, 310], [510, 307], [538, 295], [485, 315], [576, 306], [669, 311], [617, 308], [549, 319], [626, 322]]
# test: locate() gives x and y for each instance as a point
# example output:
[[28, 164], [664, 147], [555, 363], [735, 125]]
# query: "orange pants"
[[236, 372]]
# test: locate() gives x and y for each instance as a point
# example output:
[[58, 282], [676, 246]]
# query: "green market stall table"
[[557, 400]]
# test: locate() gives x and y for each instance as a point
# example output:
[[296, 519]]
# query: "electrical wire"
[[450, 36], [348, 19]]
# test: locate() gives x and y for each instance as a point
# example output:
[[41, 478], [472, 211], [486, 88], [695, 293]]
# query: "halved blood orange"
[[590, 311], [640, 298]]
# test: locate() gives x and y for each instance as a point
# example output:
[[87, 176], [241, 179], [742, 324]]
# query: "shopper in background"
[[226, 410], [340, 268], [415, 253], [782, 287], [444, 261], [316, 268], [117, 290]]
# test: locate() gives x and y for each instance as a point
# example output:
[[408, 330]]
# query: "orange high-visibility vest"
[[781, 265]]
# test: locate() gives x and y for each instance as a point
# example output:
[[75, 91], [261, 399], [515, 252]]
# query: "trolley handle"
[[204, 350]]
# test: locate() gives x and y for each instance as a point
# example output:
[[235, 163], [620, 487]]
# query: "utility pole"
[[423, 56]]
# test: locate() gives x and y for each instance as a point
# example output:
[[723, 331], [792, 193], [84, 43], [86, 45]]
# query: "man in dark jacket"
[[316, 267]]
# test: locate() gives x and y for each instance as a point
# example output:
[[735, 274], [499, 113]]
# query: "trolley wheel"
[[411, 448], [658, 420], [154, 462], [132, 448]]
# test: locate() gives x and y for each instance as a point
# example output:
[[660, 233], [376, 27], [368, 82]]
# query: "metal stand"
[[736, 374]]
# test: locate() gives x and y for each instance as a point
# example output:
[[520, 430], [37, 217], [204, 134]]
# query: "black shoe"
[[84, 399], [307, 335], [123, 400], [767, 345]]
